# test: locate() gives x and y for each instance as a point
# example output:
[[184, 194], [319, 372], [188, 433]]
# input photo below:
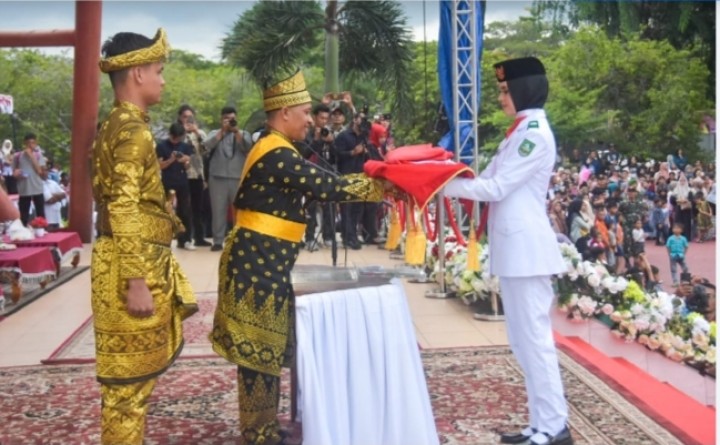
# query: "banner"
[[6, 104]]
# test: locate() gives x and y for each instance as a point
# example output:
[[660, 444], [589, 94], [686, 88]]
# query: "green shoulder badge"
[[533, 124], [526, 148]]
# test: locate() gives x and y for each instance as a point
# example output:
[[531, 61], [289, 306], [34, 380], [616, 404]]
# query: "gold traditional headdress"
[[286, 93], [156, 52]]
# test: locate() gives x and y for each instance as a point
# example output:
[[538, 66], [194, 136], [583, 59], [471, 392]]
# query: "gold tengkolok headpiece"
[[156, 52], [286, 93]]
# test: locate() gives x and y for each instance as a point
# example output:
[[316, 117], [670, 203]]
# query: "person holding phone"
[[197, 181], [29, 165], [174, 156]]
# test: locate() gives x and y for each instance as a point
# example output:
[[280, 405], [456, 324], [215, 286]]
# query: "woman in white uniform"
[[524, 253]]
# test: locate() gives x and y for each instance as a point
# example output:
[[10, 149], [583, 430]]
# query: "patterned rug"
[[475, 393], [80, 347]]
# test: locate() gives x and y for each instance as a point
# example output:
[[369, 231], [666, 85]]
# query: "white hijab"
[[682, 189]]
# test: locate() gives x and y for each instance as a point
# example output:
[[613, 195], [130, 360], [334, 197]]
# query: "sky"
[[199, 26]]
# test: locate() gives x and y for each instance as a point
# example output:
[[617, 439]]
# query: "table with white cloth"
[[360, 376]]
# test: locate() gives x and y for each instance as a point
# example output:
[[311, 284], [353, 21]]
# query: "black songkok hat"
[[518, 68]]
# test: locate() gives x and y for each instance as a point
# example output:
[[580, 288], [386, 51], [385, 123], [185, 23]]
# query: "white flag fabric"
[[6, 104]]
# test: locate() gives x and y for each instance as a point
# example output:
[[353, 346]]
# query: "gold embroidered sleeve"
[[286, 166], [360, 187], [131, 149]]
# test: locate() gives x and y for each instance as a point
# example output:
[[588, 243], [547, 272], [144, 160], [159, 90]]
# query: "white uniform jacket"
[[515, 183]]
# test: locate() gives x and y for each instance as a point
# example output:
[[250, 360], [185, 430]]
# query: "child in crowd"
[[638, 236], [660, 221], [704, 217], [616, 236], [596, 247], [677, 246]]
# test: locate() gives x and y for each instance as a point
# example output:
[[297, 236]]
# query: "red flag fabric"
[[421, 171]]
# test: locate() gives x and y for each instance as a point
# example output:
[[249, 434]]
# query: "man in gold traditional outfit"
[[139, 293], [255, 316]]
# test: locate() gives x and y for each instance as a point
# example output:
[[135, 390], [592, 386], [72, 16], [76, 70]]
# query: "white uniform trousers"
[[527, 302]]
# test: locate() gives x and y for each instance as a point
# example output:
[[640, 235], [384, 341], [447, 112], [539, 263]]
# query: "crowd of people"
[[608, 205], [254, 205], [42, 189], [201, 172]]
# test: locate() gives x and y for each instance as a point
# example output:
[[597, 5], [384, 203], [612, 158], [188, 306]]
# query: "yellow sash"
[[262, 222]]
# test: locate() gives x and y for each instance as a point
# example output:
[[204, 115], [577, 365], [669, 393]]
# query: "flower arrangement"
[[39, 223], [469, 285], [658, 320]]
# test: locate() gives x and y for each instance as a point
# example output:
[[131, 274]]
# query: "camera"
[[233, 122], [177, 154], [365, 127], [324, 132]]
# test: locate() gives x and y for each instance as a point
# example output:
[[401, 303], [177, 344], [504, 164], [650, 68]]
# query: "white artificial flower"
[[637, 308], [478, 285], [593, 279], [641, 323], [587, 305], [607, 309], [700, 325]]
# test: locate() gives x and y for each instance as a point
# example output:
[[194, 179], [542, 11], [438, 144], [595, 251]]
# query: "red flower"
[[39, 223]]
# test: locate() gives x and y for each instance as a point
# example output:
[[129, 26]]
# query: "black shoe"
[[521, 437], [561, 438], [216, 248], [354, 245], [202, 243]]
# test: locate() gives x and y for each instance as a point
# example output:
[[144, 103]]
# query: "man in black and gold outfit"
[[139, 294], [255, 315]]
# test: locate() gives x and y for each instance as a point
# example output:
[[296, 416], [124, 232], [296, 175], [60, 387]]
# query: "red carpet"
[[683, 416], [475, 392]]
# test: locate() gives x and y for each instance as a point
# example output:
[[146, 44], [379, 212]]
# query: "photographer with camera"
[[226, 148], [174, 156], [336, 102], [199, 199], [353, 149], [320, 143]]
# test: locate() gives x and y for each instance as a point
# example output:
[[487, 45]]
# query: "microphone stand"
[[330, 169]]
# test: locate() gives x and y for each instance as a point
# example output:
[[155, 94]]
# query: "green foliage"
[[41, 87], [650, 95], [424, 95], [647, 96], [684, 24], [276, 36], [273, 36], [375, 41]]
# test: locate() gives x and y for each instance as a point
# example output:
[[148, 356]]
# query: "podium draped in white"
[[360, 377]]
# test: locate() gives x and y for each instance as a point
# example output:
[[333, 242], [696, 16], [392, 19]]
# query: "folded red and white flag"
[[419, 170]]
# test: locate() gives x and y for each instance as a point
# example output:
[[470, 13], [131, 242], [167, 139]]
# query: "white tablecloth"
[[360, 377]]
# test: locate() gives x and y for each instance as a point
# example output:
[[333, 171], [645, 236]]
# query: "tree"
[[651, 94], [684, 24], [276, 35], [41, 87]]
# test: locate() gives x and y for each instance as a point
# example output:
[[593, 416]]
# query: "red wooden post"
[[63, 37], [86, 96]]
